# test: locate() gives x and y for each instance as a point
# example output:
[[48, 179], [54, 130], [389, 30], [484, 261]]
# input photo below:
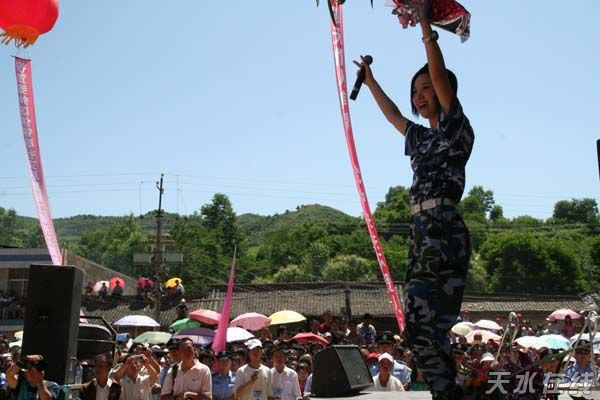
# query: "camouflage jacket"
[[438, 156]]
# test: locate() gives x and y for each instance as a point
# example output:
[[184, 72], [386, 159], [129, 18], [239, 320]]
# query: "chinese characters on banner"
[[337, 34], [36, 173], [536, 382]]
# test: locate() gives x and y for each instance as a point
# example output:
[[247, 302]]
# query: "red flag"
[[220, 341], [337, 35]]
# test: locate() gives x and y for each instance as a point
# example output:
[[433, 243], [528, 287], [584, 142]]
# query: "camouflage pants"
[[438, 261]]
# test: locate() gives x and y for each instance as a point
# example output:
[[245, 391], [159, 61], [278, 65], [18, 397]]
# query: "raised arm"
[[437, 68], [386, 105]]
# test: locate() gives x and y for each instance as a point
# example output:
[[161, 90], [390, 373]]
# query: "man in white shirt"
[[253, 380], [135, 386], [400, 370], [285, 380], [384, 380], [193, 380]]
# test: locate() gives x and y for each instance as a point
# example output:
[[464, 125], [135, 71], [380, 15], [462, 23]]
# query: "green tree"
[[114, 247], [203, 261], [219, 217], [357, 242], [576, 211], [496, 213], [591, 265], [8, 221], [394, 212], [292, 273], [477, 278], [288, 245], [477, 204], [524, 262], [314, 259], [31, 237], [396, 254], [349, 268], [526, 221]]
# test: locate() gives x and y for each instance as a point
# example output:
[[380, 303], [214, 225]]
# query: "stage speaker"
[[52, 318], [93, 340], [340, 371]]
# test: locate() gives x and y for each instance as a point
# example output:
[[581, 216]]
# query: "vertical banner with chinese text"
[[337, 35], [36, 173]]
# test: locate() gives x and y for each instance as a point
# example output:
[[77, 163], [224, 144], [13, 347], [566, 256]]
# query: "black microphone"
[[598, 151], [360, 78]]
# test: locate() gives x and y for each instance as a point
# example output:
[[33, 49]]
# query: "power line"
[[282, 181]]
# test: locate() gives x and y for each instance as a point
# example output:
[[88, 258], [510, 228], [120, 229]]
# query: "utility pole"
[[158, 253]]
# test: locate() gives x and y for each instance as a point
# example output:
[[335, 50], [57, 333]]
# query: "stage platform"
[[398, 396]]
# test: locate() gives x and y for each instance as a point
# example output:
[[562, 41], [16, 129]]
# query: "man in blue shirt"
[[223, 382], [26, 379], [583, 369]]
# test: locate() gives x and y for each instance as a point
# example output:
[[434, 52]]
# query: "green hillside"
[[69, 229], [257, 227], [318, 243]]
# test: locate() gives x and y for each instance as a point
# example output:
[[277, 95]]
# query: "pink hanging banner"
[[337, 35], [36, 173], [220, 341]]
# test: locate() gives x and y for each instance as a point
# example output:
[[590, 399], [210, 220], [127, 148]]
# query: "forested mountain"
[[316, 242], [258, 227]]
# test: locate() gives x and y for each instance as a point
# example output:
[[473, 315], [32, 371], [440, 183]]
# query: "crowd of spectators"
[[145, 291], [11, 306], [272, 366]]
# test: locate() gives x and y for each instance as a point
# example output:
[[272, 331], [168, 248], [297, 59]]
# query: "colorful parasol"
[[487, 324], [98, 285], [113, 282], [251, 321], [153, 337], [208, 317], [185, 323], [562, 313], [309, 337], [173, 282], [286, 317]]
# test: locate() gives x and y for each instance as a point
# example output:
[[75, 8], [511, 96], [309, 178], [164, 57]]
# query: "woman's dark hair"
[[304, 366], [425, 70]]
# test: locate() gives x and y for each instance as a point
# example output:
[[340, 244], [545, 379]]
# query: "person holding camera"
[[135, 386], [101, 387], [26, 380]]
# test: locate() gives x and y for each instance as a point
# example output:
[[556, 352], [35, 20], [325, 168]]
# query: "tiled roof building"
[[312, 299]]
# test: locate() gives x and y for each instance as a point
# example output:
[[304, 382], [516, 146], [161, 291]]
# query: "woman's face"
[[302, 375], [424, 98]]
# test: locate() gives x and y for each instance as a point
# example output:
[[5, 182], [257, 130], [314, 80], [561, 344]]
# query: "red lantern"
[[24, 20]]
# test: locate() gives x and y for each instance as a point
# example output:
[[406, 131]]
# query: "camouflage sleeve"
[[413, 136], [455, 125]]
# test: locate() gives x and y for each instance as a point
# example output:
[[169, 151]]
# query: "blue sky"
[[240, 98]]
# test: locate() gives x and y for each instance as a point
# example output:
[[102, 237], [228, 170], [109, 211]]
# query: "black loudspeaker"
[[93, 340], [52, 318], [340, 371]]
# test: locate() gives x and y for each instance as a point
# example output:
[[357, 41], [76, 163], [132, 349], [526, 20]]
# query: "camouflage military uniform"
[[440, 246]]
